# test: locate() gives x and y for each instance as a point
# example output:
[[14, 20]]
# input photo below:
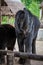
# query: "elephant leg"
[[34, 46], [28, 48], [21, 49]]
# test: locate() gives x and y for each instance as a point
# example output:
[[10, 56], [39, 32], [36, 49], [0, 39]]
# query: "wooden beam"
[[0, 11], [29, 56], [24, 55]]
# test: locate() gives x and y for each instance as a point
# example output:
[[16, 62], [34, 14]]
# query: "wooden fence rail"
[[10, 56], [23, 55]]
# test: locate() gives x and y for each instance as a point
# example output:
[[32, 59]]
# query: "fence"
[[10, 55]]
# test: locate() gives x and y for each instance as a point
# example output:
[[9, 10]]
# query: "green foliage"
[[38, 1], [33, 6], [7, 20], [4, 20], [26, 2]]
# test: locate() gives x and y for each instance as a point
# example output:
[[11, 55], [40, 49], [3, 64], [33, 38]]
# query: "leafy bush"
[[7, 20], [33, 6]]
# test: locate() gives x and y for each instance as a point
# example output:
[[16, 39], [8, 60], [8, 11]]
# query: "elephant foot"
[[21, 61]]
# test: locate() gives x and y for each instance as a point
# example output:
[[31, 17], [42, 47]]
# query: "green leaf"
[[33, 6]]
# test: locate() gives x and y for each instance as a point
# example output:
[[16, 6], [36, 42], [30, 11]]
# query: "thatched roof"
[[3, 3], [5, 10], [10, 7], [14, 5]]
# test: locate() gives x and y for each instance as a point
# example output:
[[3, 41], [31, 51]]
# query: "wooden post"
[[0, 11], [10, 58], [40, 13]]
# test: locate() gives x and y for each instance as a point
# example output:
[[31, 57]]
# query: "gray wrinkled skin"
[[26, 26]]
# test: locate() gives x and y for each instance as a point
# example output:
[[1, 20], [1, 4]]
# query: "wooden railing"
[[10, 55]]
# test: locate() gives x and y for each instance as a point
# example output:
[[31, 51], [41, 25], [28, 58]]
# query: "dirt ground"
[[39, 50]]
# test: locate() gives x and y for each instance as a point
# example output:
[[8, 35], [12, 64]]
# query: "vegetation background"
[[32, 5]]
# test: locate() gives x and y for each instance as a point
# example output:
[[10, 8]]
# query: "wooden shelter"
[[5, 10], [9, 8]]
